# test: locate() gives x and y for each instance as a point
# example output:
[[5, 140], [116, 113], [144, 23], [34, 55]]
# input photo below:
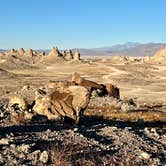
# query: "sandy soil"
[[142, 81]]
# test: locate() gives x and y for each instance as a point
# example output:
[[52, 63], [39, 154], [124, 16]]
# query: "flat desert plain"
[[143, 81]]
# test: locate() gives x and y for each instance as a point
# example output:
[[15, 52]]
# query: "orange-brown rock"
[[107, 89], [90, 85], [112, 90], [29, 53]]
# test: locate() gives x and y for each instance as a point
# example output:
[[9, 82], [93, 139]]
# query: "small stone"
[[24, 148], [75, 129], [145, 155], [1, 159], [4, 141], [44, 157]]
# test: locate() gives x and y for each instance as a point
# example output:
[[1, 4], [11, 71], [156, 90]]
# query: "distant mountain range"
[[130, 49]]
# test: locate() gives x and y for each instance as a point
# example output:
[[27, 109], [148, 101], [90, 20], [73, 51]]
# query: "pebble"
[[4, 141], [44, 157], [75, 129], [145, 155]]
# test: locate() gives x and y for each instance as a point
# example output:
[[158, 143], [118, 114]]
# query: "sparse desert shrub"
[[74, 155]]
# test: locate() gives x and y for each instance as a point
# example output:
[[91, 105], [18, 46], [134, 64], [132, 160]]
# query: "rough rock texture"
[[76, 78], [69, 102], [54, 52], [64, 53], [112, 90], [29, 53], [12, 52], [77, 55], [102, 90], [21, 51], [69, 55], [18, 101], [93, 141]]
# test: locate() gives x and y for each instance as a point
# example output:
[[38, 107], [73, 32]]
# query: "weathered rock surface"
[[69, 55], [65, 102], [54, 52], [77, 55], [107, 89], [21, 51]]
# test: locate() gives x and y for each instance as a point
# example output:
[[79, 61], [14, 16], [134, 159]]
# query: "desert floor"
[[115, 138], [141, 81]]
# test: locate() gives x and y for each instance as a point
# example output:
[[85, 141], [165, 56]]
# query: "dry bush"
[[74, 155], [114, 112]]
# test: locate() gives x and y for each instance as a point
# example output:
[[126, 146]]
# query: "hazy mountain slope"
[[131, 49]]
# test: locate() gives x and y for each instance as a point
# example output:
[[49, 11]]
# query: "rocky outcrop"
[[102, 89], [77, 55], [56, 104], [29, 53], [12, 52], [90, 85], [21, 51], [69, 55], [54, 52], [18, 102], [64, 53]]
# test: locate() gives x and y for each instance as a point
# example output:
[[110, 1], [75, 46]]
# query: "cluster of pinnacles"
[[67, 55]]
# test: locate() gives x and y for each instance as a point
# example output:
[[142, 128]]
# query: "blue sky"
[[80, 23]]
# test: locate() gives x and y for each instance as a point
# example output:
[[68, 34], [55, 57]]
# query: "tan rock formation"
[[104, 89], [54, 52], [21, 51], [12, 52], [21, 102], [64, 53], [77, 55], [90, 85], [55, 104], [69, 55], [29, 53]]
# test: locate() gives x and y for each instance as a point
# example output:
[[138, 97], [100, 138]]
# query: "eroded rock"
[[69, 102]]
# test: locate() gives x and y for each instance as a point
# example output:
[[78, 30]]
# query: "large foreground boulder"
[[71, 103]]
